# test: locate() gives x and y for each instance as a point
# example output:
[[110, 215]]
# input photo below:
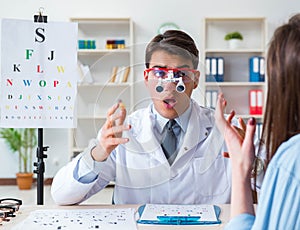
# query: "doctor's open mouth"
[[170, 103]]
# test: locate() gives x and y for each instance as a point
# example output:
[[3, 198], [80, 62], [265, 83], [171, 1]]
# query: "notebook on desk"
[[166, 214]]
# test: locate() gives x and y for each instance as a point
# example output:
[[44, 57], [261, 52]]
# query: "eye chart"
[[38, 74], [104, 219]]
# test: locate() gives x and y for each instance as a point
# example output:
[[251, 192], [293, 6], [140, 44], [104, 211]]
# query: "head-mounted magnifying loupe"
[[181, 76], [180, 87]]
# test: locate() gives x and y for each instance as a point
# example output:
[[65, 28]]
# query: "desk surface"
[[25, 211]]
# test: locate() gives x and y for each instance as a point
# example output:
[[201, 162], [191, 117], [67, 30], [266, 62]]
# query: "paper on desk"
[[106, 219], [205, 212]]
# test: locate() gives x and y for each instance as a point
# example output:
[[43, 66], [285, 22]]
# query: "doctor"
[[132, 151]]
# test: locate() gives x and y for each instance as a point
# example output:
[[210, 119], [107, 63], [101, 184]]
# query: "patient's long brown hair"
[[282, 113]]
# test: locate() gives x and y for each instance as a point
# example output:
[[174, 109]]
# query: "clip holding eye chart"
[[40, 164], [40, 17]]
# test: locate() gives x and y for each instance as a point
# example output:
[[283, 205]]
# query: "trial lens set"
[[9, 207]]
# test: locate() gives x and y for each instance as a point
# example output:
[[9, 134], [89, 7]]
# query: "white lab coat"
[[142, 174]]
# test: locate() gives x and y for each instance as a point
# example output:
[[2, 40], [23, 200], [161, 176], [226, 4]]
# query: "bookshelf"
[[236, 78], [97, 91]]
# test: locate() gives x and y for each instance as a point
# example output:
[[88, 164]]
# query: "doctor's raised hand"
[[111, 132]]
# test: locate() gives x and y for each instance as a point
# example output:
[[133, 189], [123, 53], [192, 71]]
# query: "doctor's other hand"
[[111, 132], [240, 149]]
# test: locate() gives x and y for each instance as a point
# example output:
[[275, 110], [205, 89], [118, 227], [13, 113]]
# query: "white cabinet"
[[96, 91], [236, 84]]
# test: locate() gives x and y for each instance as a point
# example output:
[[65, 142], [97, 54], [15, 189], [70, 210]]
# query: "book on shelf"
[[85, 74], [120, 74], [126, 74], [113, 74], [86, 44]]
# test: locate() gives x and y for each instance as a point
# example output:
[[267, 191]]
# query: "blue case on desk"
[[179, 220]]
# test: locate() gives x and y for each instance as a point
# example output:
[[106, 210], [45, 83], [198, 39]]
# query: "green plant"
[[22, 141], [233, 35]]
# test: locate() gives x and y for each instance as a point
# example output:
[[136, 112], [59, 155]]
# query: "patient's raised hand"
[[240, 149]]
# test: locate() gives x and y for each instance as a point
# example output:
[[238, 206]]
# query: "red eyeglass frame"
[[168, 69]]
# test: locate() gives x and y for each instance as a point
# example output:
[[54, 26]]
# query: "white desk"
[[25, 211]]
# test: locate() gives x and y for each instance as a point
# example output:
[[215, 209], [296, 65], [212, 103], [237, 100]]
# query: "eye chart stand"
[[40, 90], [40, 165]]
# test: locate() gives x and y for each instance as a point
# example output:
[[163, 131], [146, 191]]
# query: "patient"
[[279, 203]]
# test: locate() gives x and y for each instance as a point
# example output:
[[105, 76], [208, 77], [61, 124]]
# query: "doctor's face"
[[169, 102]]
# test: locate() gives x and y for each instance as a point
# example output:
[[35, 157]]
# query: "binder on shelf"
[[261, 69], [254, 74], [255, 102], [211, 97], [259, 98], [166, 214], [208, 76], [252, 101], [220, 66], [214, 98], [258, 130], [214, 68], [208, 98]]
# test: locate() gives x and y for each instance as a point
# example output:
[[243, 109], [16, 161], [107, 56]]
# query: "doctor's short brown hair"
[[174, 42]]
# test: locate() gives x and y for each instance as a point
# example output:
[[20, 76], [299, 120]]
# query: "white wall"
[[147, 17]]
